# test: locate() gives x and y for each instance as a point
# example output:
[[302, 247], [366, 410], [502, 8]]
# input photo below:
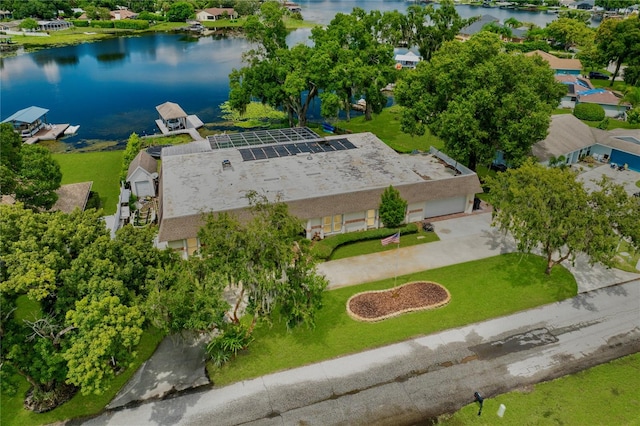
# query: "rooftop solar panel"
[[282, 150], [315, 147], [271, 153], [347, 144], [247, 155], [258, 153]]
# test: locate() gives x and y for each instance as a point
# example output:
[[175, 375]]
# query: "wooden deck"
[[49, 133]]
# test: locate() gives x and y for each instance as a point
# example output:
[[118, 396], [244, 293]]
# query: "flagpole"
[[395, 278]]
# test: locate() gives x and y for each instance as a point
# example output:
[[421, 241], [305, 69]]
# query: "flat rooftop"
[[309, 166]]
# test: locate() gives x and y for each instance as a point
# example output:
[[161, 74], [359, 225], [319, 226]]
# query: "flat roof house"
[[332, 184]]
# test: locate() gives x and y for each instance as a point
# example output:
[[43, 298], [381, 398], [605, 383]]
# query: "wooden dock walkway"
[[49, 133]]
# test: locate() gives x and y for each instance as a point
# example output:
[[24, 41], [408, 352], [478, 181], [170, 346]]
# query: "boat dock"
[[50, 132]]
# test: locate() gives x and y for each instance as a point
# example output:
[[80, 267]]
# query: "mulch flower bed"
[[382, 304]]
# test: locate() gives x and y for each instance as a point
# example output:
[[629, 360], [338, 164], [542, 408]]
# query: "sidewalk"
[[462, 239], [413, 381]]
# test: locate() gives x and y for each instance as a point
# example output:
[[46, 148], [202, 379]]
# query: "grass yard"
[[480, 290], [103, 168], [13, 413], [627, 257], [386, 126], [374, 246], [602, 395]]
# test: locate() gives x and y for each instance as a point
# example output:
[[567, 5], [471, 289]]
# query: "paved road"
[[414, 380]]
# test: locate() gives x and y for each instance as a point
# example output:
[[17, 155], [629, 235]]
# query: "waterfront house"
[[574, 140], [407, 60], [332, 184], [27, 122], [216, 13], [465, 33], [119, 14], [142, 175], [559, 65]]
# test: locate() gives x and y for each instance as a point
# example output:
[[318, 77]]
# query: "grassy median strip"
[[602, 395], [480, 290], [103, 168]]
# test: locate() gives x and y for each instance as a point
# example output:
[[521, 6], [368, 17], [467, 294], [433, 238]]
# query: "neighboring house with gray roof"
[[612, 105], [333, 184], [142, 175], [571, 138], [465, 33]]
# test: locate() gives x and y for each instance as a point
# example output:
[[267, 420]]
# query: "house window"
[[332, 224], [192, 246], [371, 218], [326, 224], [337, 223]]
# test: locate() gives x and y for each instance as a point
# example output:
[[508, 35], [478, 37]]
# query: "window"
[[192, 246], [371, 218], [332, 224], [326, 224], [337, 223]]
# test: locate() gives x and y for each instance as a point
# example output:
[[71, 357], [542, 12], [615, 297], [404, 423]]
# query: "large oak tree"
[[479, 100], [549, 209]]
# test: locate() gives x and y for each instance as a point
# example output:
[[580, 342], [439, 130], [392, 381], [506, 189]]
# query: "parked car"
[[594, 75], [498, 167]]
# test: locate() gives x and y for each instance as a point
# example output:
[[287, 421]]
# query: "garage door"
[[446, 206], [144, 189], [620, 157]]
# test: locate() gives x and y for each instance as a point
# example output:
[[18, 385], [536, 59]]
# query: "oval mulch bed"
[[383, 304]]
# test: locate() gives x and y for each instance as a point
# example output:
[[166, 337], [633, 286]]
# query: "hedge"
[[102, 24], [132, 24], [80, 23], [589, 112], [323, 249]]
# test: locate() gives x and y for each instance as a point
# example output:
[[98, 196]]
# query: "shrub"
[[604, 124], [392, 207], [80, 23], [633, 116], [102, 24], [148, 16], [226, 345], [322, 249], [132, 24], [589, 112]]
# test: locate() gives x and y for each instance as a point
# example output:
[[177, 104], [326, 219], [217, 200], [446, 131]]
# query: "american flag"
[[393, 239]]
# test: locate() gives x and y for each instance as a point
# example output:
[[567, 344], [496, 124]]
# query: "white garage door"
[[446, 206], [143, 188]]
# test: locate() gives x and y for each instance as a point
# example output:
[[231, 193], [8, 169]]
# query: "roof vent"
[[226, 164]]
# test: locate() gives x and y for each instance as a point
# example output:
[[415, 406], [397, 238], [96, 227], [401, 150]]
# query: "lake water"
[[111, 88]]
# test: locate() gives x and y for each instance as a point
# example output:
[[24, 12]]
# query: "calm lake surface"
[[111, 88]]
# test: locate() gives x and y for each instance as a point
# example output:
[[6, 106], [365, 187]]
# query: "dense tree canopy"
[[549, 209], [569, 33], [29, 173], [266, 260], [479, 99], [90, 290], [619, 41]]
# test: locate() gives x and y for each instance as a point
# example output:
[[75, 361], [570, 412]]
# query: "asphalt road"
[[410, 382]]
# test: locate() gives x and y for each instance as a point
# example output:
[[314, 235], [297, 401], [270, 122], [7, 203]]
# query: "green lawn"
[[13, 413], [603, 395], [374, 246], [103, 168], [386, 126], [480, 290]]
